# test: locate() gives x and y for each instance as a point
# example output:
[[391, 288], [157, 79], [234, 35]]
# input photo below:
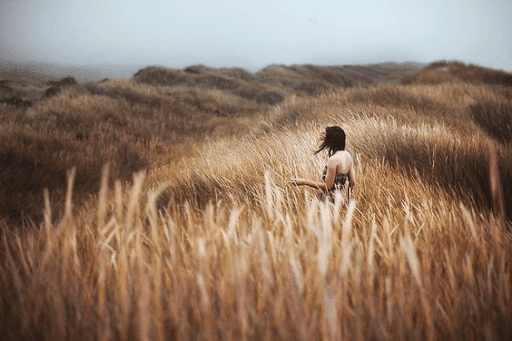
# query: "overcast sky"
[[254, 34]]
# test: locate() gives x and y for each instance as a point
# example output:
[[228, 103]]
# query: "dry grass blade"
[[68, 212], [496, 186], [412, 258], [102, 200]]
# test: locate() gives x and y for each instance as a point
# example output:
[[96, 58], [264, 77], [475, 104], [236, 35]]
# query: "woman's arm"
[[324, 186], [303, 182]]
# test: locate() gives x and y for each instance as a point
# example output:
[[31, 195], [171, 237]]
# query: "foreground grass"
[[410, 264], [263, 261]]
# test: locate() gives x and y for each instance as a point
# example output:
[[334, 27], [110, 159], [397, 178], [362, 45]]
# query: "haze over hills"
[[39, 71]]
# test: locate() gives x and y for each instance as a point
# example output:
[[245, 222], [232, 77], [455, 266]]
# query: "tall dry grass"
[[216, 246], [404, 260]]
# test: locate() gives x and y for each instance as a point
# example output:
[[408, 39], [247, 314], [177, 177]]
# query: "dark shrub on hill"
[[504, 79], [312, 88], [270, 97], [240, 74], [337, 79], [4, 86], [443, 71], [218, 82], [51, 91], [263, 97], [17, 101], [439, 64], [196, 69], [56, 86], [66, 81], [160, 76], [476, 74]]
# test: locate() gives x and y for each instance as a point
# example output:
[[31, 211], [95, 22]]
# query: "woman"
[[340, 165]]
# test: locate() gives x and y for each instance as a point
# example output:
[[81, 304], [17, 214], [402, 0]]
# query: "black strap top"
[[339, 180]]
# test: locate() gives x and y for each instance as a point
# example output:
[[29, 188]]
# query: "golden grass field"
[[167, 215]]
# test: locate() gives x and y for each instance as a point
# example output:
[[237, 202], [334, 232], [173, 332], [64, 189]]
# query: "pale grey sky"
[[254, 34]]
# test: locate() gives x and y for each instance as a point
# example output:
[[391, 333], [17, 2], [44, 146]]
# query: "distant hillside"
[[311, 79], [445, 71], [23, 85], [296, 79]]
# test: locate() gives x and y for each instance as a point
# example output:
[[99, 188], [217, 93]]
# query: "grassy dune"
[[214, 245]]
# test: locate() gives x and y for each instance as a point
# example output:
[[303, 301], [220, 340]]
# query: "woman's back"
[[341, 166], [342, 161]]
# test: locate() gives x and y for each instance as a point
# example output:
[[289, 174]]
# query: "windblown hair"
[[333, 140]]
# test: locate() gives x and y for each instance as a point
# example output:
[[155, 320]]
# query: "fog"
[[252, 35]]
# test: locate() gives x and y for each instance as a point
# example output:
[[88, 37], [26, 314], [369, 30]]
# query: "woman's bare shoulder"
[[342, 155], [342, 161]]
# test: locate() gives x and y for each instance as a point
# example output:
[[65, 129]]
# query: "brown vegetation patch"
[[218, 82], [394, 97], [159, 76], [303, 80], [31, 162], [312, 88], [447, 160], [495, 118], [444, 71], [52, 91], [16, 101], [66, 81], [263, 97]]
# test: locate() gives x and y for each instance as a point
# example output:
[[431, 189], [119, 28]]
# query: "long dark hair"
[[333, 140]]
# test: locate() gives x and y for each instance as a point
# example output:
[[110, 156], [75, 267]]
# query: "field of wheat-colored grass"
[[216, 246]]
